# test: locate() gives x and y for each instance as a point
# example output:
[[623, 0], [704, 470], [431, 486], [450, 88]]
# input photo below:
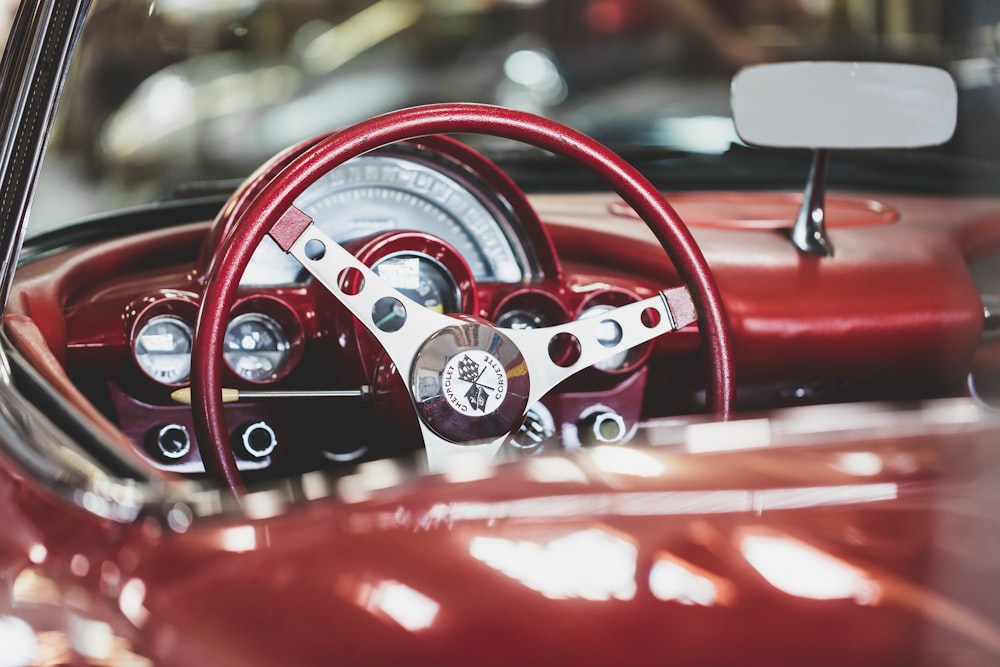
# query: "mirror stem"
[[809, 234]]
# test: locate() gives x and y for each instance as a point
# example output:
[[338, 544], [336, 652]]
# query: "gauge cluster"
[[443, 227], [262, 341]]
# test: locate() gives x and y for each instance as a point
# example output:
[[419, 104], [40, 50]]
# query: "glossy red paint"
[[589, 559], [767, 210], [896, 297]]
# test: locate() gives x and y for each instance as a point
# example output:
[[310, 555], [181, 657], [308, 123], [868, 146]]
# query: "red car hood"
[[880, 552]]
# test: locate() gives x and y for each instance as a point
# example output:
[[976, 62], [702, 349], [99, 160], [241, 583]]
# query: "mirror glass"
[[843, 105]]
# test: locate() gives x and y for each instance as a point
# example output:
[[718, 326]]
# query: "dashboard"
[[896, 313], [426, 224], [435, 220]]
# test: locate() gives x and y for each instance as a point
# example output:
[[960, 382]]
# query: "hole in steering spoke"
[[315, 250], [610, 333], [564, 349], [351, 281], [650, 318], [389, 314]]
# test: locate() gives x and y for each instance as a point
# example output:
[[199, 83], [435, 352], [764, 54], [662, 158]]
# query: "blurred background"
[[184, 95]]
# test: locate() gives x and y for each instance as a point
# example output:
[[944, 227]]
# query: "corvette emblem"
[[474, 382]]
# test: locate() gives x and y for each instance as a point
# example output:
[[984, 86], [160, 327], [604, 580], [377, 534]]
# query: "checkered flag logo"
[[485, 381], [477, 397], [468, 370]]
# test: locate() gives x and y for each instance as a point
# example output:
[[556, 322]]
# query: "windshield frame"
[[33, 71]]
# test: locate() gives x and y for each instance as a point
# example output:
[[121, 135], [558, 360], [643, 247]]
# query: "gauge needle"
[[229, 395], [397, 311]]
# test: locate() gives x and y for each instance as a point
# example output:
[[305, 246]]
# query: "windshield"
[[181, 97]]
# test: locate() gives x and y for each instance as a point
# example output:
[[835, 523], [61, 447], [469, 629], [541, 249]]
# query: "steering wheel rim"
[[277, 197]]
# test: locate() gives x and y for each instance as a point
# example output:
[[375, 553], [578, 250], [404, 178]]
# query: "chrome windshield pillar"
[[32, 72]]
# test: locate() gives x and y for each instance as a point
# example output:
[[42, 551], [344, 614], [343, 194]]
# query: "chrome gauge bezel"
[[521, 319], [282, 348], [454, 292], [529, 308], [154, 363]]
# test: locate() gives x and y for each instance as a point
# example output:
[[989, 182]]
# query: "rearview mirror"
[[844, 105], [826, 105]]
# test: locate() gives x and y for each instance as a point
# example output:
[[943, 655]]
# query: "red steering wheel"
[[503, 372]]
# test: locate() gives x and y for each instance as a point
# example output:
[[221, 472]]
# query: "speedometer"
[[379, 193]]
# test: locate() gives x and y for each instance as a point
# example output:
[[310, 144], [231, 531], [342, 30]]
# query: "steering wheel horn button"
[[474, 382], [470, 383]]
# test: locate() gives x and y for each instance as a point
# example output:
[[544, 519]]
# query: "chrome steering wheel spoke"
[[470, 382], [400, 324], [444, 456], [555, 353], [420, 343]]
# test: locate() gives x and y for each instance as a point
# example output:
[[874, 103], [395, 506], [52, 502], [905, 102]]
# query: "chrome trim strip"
[[32, 75]]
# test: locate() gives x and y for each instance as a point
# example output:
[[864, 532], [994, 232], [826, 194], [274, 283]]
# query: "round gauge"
[[610, 334], [162, 348], [255, 347], [522, 318], [529, 309], [379, 193], [422, 279]]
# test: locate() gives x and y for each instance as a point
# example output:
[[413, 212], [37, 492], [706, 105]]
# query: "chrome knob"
[[258, 439], [601, 428], [173, 441]]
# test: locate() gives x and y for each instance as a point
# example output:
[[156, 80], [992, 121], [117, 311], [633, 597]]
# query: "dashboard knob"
[[258, 439], [601, 428], [173, 441]]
